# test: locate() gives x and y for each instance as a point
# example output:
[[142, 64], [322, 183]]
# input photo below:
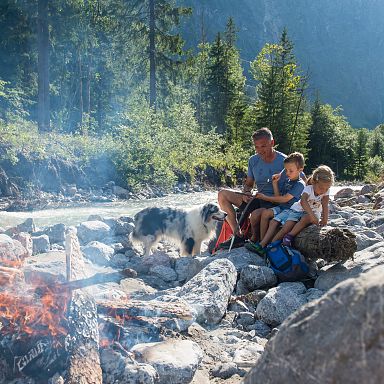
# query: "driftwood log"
[[83, 346], [328, 243]]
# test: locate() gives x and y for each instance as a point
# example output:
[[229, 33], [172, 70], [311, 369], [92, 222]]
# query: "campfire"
[[49, 327]]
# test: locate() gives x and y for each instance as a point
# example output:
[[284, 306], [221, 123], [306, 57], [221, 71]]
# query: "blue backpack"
[[287, 263]]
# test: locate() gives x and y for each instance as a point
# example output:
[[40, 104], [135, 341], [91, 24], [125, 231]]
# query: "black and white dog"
[[189, 228]]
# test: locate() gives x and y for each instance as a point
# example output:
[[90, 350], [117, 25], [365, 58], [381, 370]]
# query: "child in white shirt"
[[312, 207]]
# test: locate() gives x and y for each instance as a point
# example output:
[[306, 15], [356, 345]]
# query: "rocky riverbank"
[[210, 319]]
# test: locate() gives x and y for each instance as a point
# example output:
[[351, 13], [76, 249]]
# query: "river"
[[75, 215]]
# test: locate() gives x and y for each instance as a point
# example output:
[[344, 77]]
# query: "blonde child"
[[311, 209]]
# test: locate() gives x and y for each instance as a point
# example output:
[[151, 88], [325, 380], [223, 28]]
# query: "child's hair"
[[295, 157], [322, 174]]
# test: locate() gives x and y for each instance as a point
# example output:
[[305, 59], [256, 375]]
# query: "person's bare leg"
[[273, 224], [266, 216], [303, 223], [287, 227], [227, 199], [255, 223]]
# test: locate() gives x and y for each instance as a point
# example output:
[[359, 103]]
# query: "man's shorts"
[[287, 215]]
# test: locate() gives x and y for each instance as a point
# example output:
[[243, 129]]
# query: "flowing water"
[[75, 215]]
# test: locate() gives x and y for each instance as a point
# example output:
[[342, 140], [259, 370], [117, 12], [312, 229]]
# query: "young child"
[[286, 194], [311, 209]]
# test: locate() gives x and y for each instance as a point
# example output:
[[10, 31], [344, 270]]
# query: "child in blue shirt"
[[285, 195]]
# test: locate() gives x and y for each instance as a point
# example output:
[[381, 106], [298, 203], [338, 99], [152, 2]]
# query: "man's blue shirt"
[[262, 172]]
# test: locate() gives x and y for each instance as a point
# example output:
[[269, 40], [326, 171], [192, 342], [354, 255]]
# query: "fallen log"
[[328, 243], [83, 346]]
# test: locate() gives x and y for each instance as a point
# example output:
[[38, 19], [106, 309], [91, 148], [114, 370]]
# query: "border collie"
[[188, 228]]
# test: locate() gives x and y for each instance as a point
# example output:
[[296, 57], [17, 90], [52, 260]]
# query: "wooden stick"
[[98, 278]]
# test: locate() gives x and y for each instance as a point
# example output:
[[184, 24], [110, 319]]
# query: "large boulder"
[[210, 290], [93, 231], [336, 339]]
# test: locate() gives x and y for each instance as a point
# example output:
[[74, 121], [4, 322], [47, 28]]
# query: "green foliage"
[[375, 170], [281, 104], [155, 148], [22, 138]]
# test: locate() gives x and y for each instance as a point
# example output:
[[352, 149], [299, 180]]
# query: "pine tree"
[[281, 100], [361, 153], [223, 91]]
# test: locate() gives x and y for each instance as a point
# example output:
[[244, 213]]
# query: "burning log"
[[330, 244], [83, 346], [10, 276]]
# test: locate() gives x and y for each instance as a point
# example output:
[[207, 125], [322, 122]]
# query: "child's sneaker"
[[255, 247], [287, 240]]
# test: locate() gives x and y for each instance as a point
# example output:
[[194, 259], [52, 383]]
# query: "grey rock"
[[261, 329], [256, 277], [240, 257], [356, 220], [336, 339], [25, 240], [175, 361], [280, 302], [366, 238], [225, 370], [119, 369], [97, 252], [165, 273], [364, 261], [187, 267], [361, 199], [209, 291], [344, 193], [56, 233], [11, 250], [245, 318], [92, 231], [40, 244], [27, 226], [368, 188]]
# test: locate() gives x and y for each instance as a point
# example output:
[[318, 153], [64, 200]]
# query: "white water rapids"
[[76, 215]]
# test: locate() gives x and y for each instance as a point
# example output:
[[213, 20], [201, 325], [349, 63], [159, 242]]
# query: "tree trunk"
[[81, 100], [43, 108], [152, 54], [330, 244]]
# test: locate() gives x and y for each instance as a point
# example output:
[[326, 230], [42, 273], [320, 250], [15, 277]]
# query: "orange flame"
[[28, 314]]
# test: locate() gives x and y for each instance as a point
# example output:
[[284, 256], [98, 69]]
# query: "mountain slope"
[[340, 43]]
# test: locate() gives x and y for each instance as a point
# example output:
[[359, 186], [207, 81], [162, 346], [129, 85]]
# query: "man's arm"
[[248, 185]]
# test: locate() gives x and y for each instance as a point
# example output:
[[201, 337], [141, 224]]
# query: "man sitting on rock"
[[261, 166]]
